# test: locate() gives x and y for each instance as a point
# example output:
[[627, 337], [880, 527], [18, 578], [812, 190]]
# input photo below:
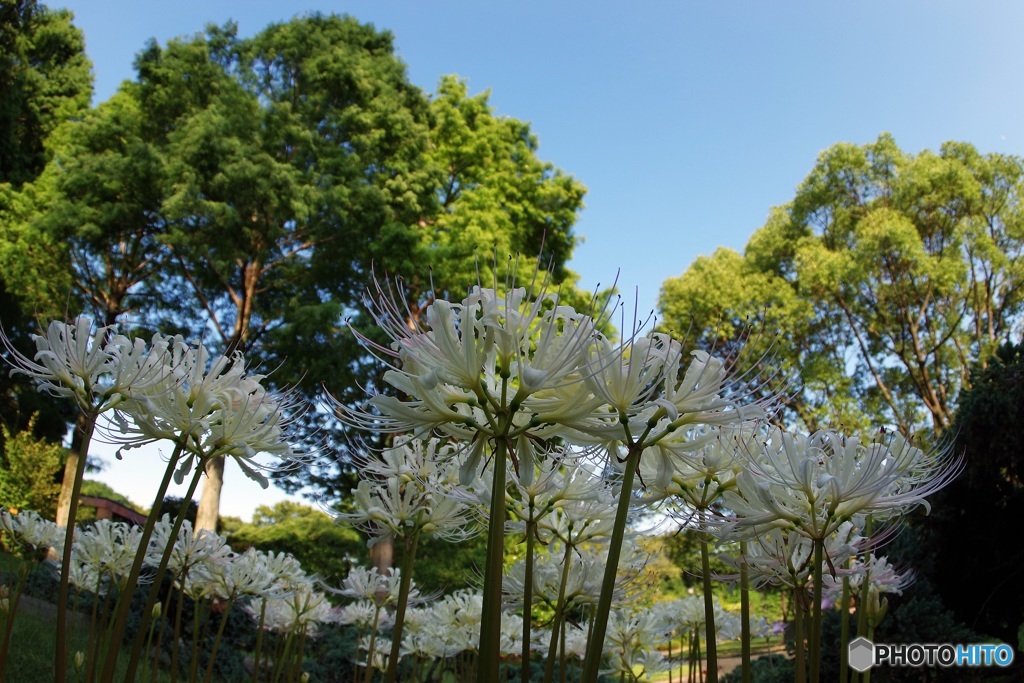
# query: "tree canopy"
[[876, 287], [246, 191]]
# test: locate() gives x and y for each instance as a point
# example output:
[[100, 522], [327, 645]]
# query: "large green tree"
[[875, 289], [493, 206], [248, 190], [287, 154], [45, 80]]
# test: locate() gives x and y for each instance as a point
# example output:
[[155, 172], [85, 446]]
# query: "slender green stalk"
[[158, 577], [216, 640], [559, 619], [61, 658], [404, 581], [531, 532], [745, 612], [711, 633], [259, 643], [373, 644], [862, 611], [279, 666], [297, 673], [815, 635], [799, 598], [96, 643], [844, 632], [149, 643], [490, 620], [124, 603], [197, 633], [178, 609], [12, 609], [866, 676], [595, 647]]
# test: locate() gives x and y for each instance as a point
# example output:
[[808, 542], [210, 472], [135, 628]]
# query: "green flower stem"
[[96, 644], [745, 612], [61, 658], [259, 643], [862, 612], [373, 643], [216, 640], [844, 632], [559, 620], [158, 577], [285, 653], [12, 610], [595, 647], [125, 599], [297, 674], [531, 532], [197, 634], [490, 620], [799, 598], [866, 676], [404, 581], [149, 645], [178, 608], [815, 635], [710, 637]]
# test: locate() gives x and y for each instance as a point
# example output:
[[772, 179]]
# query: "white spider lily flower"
[[244, 574], [300, 610], [881, 576], [72, 359], [286, 571], [631, 643], [816, 483], [30, 529], [108, 548], [366, 583], [781, 557], [406, 505], [627, 376], [212, 407], [189, 548], [489, 353], [91, 365], [363, 614]]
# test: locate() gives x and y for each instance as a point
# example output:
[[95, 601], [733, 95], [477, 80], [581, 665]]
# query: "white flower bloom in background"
[[785, 557], [877, 570], [71, 360], [29, 528], [210, 405], [189, 548], [108, 548], [815, 483]]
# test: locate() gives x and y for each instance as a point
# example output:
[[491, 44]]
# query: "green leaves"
[[883, 279]]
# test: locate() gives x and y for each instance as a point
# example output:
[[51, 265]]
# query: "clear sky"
[[686, 120]]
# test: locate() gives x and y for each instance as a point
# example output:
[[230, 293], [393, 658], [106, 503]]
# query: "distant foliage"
[[29, 472]]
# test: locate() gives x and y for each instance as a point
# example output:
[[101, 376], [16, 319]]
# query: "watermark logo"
[[863, 654]]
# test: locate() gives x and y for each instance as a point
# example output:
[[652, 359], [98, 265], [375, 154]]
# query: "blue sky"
[[686, 120]]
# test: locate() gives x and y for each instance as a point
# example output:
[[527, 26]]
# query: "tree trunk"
[[209, 502], [382, 554], [70, 468]]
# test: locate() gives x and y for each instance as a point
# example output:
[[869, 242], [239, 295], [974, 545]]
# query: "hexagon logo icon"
[[861, 654]]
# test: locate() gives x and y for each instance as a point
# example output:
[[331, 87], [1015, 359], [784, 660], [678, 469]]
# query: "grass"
[[33, 647]]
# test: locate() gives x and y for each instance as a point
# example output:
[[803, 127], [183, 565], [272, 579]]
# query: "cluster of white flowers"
[[166, 389], [492, 381], [515, 411]]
